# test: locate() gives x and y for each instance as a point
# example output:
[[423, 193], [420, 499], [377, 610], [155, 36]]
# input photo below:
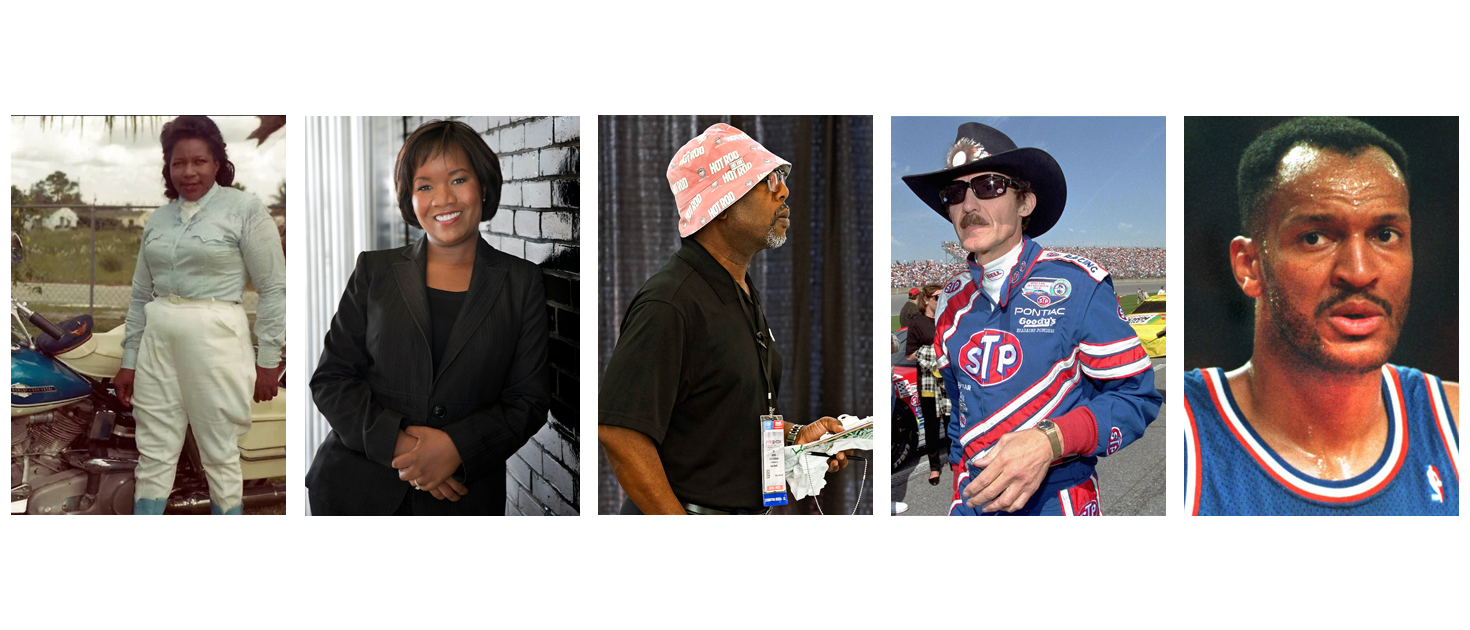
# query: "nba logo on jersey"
[[991, 356], [1436, 485]]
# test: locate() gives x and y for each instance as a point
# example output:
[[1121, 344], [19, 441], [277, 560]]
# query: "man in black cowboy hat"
[[1044, 374]]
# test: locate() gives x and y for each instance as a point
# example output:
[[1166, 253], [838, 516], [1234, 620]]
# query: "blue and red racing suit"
[[1054, 343]]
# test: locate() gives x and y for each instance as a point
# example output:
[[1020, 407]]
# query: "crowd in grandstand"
[[1121, 262]]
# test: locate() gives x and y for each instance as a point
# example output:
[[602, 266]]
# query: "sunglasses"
[[985, 187], [776, 178]]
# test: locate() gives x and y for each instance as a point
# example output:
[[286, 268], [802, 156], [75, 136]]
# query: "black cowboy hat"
[[978, 148]]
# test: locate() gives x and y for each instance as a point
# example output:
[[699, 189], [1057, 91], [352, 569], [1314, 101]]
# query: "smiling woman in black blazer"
[[434, 370]]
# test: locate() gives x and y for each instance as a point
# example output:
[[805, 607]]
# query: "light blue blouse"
[[209, 256]]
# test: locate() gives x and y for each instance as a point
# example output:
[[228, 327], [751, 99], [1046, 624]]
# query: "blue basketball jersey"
[[1229, 469]]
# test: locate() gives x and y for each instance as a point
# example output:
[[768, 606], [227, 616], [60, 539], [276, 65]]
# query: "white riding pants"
[[195, 369]]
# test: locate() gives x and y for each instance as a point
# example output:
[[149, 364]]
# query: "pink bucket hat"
[[712, 171]]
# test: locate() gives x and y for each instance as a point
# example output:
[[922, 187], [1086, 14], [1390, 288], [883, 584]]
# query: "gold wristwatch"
[[1054, 435]]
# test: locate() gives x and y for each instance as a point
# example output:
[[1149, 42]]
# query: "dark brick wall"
[[538, 220]]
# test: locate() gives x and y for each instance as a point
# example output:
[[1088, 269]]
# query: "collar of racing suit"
[[993, 274]]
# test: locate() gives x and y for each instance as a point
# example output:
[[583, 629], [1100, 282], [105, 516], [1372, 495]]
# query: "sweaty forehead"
[[1312, 176], [1316, 166]]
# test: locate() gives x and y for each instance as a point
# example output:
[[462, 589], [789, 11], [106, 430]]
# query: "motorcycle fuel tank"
[[40, 383]]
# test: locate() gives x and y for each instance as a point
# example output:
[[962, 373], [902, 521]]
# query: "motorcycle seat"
[[74, 333], [100, 356]]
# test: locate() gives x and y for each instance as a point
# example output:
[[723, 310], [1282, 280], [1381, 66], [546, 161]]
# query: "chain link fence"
[[79, 259]]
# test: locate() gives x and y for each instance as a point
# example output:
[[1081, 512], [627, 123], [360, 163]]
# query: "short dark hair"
[[432, 139], [201, 128], [1256, 179]]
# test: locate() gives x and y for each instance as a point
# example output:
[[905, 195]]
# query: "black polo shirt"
[[687, 372]]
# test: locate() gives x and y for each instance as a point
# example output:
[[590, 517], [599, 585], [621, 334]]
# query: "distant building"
[[63, 219], [132, 220]]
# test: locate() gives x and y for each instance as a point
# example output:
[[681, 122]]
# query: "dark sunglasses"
[[985, 187]]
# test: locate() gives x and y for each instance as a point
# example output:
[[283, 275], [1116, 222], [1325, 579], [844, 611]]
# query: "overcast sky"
[[1114, 168], [121, 168]]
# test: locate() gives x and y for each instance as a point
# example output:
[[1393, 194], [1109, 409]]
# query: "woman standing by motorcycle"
[[434, 370], [187, 357]]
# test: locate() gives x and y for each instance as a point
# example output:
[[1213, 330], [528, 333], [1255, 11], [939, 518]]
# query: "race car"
[[1148, 320], [906, 410]]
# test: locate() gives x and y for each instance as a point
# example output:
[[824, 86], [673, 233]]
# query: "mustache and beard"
[[1300, 335]]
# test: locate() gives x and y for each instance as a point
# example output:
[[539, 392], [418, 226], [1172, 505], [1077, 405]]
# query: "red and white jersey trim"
[[1304, 486], [1193, 477], [1442, 421]]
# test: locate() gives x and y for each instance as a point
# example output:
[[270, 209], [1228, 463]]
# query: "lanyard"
[[755, 317]]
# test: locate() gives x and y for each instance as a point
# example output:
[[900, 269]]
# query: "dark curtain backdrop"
[[1220, 319], [817, 289]]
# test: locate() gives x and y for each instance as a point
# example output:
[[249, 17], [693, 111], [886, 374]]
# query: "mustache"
[[971, 219], [1348, 294], [783, 212]]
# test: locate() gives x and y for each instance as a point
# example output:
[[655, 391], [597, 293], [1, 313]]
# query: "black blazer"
[[376, 376]]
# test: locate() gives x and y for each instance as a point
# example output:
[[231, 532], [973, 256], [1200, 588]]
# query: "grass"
[[65, 255]]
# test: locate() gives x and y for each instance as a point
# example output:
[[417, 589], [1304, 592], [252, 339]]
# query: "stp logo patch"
[[991, 356], [954, 285], [1115, 440]]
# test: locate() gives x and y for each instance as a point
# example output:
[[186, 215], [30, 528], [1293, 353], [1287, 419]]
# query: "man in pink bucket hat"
[[686, 412]]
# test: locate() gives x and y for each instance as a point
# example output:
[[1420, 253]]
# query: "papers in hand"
[[806, 466]]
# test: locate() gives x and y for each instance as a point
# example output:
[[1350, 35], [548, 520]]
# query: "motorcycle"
[[72, 441]]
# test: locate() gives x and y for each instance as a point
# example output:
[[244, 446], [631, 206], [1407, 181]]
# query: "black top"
[[687, 372], [443, 310], [376, 375], [921, 333]]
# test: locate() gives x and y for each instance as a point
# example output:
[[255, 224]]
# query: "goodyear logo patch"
[[1047, 292]]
